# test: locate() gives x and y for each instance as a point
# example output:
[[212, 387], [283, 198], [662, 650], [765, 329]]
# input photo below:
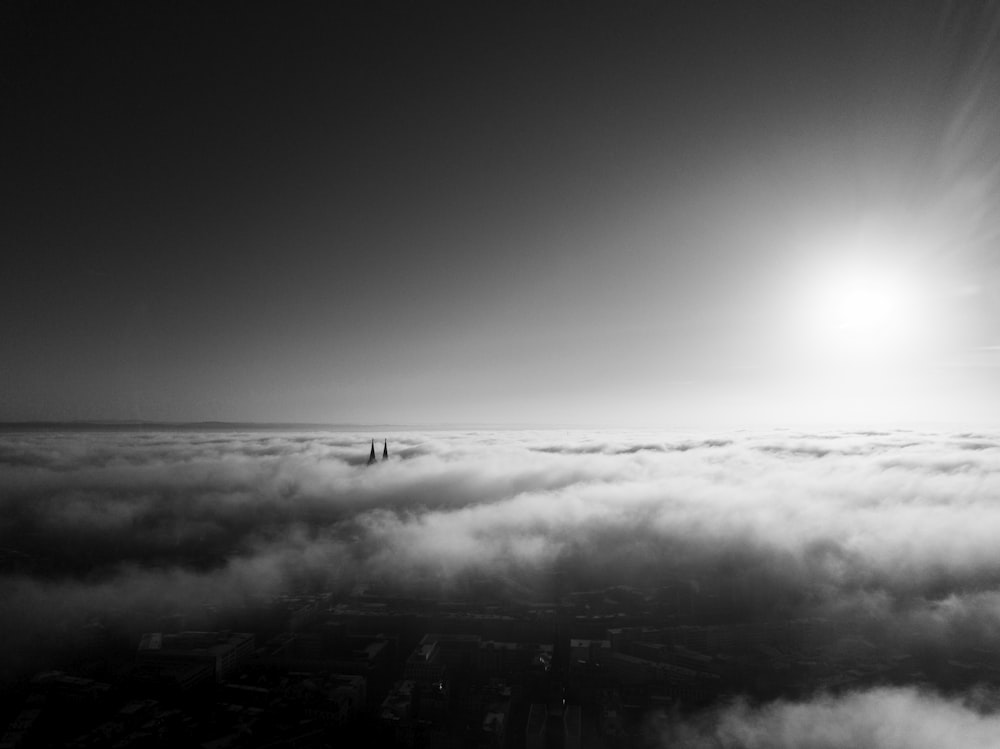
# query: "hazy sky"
[[633, 213]]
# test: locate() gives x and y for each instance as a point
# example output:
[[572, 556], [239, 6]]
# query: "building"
[[495, 721], [498, 657], [589, 651], [63, 687], [534, 732], [19, 730], [224, 651], [572, 727], [173, 676], [397, 712], [425, 664], [458, 651], [348, 693], [385, 452]]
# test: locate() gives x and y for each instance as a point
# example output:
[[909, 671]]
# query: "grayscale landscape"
[[500, 375]]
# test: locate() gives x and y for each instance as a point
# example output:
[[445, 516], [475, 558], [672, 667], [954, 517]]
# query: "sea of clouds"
[[896, 528]]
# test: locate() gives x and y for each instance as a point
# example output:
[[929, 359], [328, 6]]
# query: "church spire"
[[385, 451], [371, 458]]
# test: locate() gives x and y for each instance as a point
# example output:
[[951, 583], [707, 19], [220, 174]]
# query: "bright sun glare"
[[861, 314], [864, 304], [865, 297]]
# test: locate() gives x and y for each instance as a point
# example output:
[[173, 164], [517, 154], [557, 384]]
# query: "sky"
[[641, 213]]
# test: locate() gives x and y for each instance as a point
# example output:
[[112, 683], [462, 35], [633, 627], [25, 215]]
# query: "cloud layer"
[[898, 718], [895, 528]]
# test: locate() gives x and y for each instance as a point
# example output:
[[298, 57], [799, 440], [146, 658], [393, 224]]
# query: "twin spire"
[[385, 452]]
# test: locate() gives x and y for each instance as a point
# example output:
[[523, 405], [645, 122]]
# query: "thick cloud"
[[900, 718], [851, 507], [894, 528]]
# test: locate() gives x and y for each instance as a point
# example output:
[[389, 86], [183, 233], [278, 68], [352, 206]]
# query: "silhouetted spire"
[[371, 458], [385, 451]]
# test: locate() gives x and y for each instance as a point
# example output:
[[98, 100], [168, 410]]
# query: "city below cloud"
[[882, 542]]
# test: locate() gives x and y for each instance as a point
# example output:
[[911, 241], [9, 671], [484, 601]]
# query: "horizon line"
[[219, 424]]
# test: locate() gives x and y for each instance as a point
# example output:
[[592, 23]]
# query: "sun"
[[863, 304], [861, 312]]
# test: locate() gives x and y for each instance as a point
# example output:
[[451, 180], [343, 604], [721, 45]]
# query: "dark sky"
[[493, 212]]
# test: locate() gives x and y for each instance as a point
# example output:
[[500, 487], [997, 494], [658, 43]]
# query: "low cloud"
[[897, 528], [890, 718]]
